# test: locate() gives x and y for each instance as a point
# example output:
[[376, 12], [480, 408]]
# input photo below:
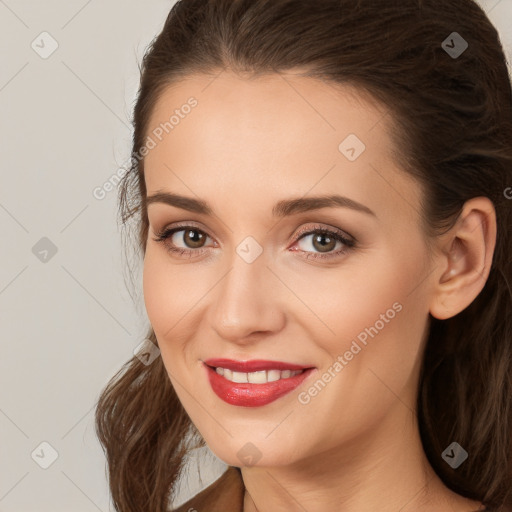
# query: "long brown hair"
[[452, 130]]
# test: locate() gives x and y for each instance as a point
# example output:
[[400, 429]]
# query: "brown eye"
[[193, 238], [323, 243], [189, 242]]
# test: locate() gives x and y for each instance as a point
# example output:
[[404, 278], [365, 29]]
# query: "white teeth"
[[259, 377], [273, 375], [239, 377]]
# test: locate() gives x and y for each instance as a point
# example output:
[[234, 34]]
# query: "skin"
[[246, 145]]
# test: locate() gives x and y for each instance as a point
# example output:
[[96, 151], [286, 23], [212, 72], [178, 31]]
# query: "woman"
[[321, 193]]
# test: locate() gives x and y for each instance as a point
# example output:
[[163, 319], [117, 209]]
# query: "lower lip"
[[253, 395]]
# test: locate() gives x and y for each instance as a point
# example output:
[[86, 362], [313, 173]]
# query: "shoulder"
[[226, 493]]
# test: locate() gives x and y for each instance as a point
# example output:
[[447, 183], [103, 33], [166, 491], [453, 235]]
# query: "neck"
[[383, 469]]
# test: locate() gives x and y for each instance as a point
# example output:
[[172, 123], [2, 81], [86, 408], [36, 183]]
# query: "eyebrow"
[[283, 208]]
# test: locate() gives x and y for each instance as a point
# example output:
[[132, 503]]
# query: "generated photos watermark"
[[151, 142], [343, 359]]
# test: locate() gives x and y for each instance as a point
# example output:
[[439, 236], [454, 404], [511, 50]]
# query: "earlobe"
[[464, 259]]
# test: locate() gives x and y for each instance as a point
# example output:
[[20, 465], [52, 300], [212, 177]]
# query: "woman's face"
[[257, 282]]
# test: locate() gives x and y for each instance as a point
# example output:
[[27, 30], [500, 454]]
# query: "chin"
[[250, 454]]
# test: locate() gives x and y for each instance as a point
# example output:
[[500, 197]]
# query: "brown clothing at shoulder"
[[226, 494]]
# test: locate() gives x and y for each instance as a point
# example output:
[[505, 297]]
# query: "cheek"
[[154, 284], [168, 291], [172, 297], [379, 355], [165, 299], [375, 312], [165, 306], [350, 302], [380, 327]]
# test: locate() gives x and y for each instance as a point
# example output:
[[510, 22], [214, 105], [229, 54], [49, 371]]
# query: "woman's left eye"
[[323, 240]]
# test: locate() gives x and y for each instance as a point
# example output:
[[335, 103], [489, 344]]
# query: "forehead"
[[276, 111], [278, 132]]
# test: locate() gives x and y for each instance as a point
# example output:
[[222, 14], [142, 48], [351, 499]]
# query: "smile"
[[254, 388]]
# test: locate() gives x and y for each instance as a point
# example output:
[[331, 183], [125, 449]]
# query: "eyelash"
[[165, 234]]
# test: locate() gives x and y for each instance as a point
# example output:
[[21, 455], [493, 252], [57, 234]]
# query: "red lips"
[[248, 394]]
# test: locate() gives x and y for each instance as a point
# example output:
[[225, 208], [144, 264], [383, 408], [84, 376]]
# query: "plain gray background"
[[68, 322]]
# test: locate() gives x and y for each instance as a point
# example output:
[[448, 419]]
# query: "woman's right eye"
[[192, 237]]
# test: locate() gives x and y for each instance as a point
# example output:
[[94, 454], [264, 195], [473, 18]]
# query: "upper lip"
[[253, 365]]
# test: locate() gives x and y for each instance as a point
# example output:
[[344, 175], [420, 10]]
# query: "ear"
[[464, 258]]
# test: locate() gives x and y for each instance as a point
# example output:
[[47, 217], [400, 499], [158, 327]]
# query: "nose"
[[248, 302]]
